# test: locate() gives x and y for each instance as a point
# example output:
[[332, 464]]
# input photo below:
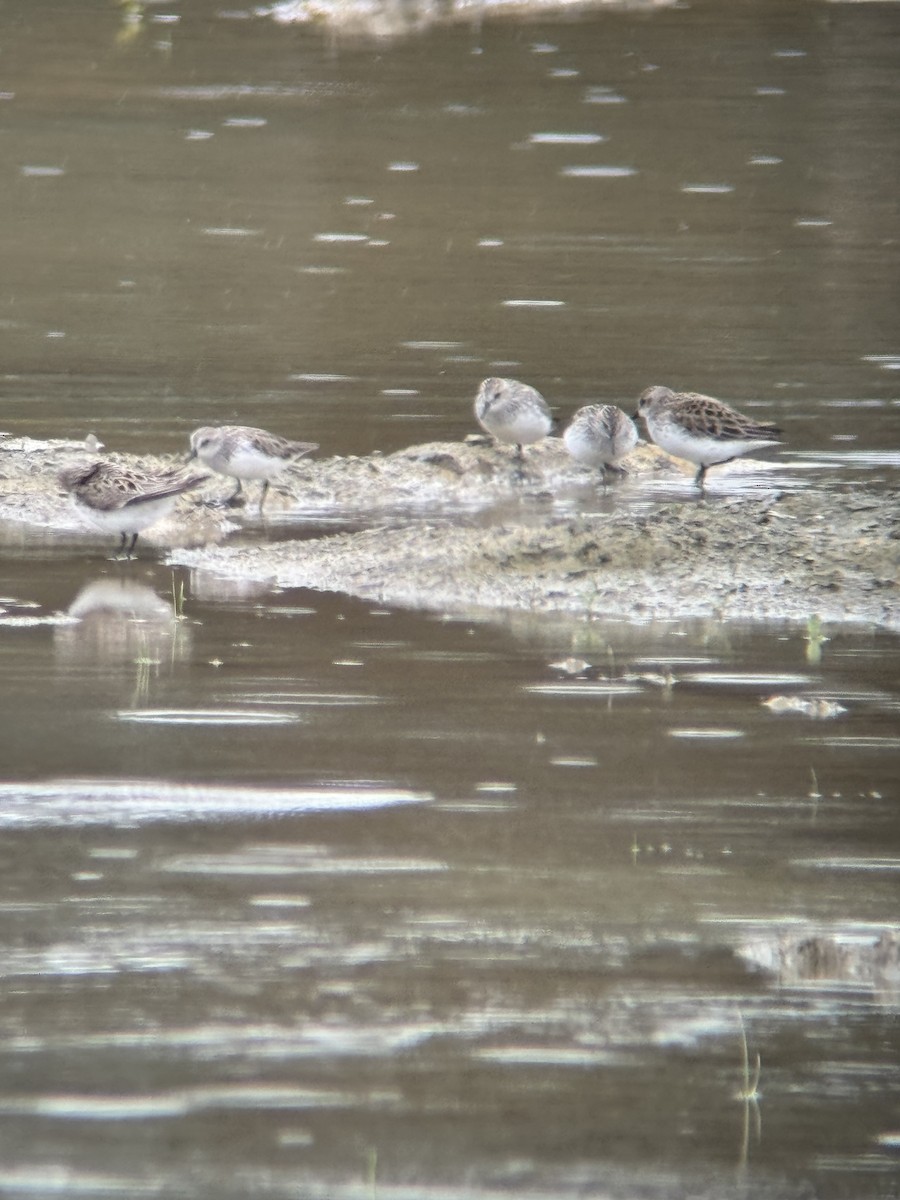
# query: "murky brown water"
[[306, 898]]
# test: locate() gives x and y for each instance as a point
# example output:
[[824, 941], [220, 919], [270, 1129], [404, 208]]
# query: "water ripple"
[[313, 863], [584, 688], [181, 1101], [598, 172], [80, 802], [204, 716]]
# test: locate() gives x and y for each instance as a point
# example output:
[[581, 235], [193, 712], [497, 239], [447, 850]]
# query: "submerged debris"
[[388, 18], [829, 956], [816, 707], [572, 666]]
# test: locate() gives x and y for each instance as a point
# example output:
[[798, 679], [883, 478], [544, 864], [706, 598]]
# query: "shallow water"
[[304, 897]]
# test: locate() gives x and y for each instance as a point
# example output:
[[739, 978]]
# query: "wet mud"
[[457, 527]]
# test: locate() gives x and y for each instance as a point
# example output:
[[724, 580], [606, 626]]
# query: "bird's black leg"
[[126, 545], [232, 501], [263, 494], [700, 477]]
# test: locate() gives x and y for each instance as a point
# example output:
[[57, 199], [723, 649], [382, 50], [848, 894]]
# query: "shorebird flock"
[[125, 500], [704, 431], [684, 424]]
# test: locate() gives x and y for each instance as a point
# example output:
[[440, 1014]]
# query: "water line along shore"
[[453, 527]]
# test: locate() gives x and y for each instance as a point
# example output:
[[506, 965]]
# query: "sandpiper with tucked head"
[[125, 500], [601, 435], [512, 412], [702, 430], [246, 453]]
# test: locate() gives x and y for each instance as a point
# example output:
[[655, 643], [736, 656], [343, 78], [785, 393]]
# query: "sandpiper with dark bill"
[[512, 412], [246, 453], [702, 430], [601, 435], [125, 500]]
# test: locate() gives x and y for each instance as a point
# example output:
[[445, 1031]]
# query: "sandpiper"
[[512, 412], [125, 500], [702, 430], [601, 435], [246, 453]]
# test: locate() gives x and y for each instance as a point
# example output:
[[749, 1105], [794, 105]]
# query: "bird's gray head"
[[654, 397], [205, 438], [70, 477], [489, 393]]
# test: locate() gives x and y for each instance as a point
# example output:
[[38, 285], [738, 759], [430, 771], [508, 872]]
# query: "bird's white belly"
[[701, 448], [130, 519], [523, 429], [249, 464]]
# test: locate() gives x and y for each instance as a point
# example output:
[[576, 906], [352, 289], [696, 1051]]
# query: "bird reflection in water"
[[123, 622]]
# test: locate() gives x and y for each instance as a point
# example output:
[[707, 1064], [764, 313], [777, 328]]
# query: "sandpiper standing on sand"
[[702, 430], [512, 412], [601, 435], [125, 500], [246, 453]]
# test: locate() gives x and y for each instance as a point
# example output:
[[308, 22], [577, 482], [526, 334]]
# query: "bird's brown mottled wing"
[[111, 488], [275, 446], [703, 415], [161, 487]]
